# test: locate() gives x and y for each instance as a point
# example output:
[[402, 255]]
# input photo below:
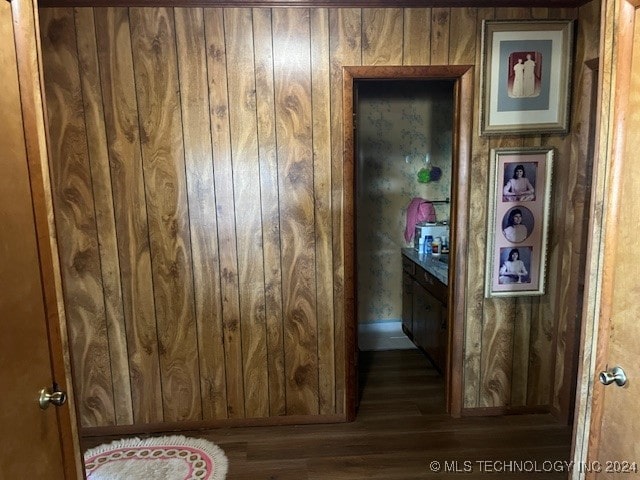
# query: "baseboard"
[[506, 410], [209, 425]]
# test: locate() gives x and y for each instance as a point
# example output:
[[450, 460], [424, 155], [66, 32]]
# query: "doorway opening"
[[459, 80], [404, 138]]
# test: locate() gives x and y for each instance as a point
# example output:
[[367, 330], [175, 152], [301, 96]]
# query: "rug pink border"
[[205, 460]]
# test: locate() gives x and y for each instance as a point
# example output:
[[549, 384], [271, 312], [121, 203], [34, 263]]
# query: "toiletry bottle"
[[445, 245], [428, 240], [436, 246]]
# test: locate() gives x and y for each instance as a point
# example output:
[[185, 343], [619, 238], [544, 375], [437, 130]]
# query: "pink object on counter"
[[419, 210]]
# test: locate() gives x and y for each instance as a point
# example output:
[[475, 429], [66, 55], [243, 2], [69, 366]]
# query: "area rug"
[[156, 458]]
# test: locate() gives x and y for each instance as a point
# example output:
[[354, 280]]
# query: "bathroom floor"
[[383, 336]]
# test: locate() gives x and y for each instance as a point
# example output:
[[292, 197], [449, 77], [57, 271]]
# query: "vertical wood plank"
[[155, 68], [225, 209], [539, 13], [292, 80], [544, 333], [589, 20], [321, 99], [513, 13], [192, 70], [498, 332], [105, 216], [477, 240], [521, 340], [440, 22], [244, 147], [570, 278], [76, 222], [563, 13], [416, 48], [462, 44], [269, 207], [345, 49], [125, 158], [540, 347], [382, 36], [497, 352]]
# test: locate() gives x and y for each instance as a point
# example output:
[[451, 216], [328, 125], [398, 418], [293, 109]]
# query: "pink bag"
[[419, 210]]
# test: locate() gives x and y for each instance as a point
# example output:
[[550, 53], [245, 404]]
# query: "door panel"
[[618, 435], [609, 446], [34, 449]]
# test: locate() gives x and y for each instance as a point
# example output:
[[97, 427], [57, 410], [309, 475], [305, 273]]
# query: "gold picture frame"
[[526, 76], [518, 221]]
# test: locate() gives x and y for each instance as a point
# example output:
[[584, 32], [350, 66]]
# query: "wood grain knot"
[[173, 271], [220, 111], [82, 261], [216, 53], [229, 276], [292, 103], [442, 18], [57, 31], [232, 325], [301, 375]]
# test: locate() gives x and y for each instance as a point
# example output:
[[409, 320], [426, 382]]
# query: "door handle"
[[616, 374], [48, 397]]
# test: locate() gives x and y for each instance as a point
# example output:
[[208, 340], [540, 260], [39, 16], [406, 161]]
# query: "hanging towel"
[[419, 210]]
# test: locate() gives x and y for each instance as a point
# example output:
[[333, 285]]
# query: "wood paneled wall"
[[197, 168]]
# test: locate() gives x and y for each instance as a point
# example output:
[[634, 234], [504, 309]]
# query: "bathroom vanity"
[[424, 304]]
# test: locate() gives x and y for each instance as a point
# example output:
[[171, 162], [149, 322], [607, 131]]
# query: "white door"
[[35, 443]]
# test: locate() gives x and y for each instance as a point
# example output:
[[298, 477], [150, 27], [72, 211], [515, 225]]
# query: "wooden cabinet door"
[[427, 312], [419, 314], [39, 444], [407, 303], [443, 339], [432, 329]]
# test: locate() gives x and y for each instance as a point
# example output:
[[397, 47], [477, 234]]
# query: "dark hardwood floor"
[[400, 430]]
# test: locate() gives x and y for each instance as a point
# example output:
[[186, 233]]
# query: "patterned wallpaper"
[[398, 124]]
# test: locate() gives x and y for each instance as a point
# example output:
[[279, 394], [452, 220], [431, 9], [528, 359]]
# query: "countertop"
[[436, 266]]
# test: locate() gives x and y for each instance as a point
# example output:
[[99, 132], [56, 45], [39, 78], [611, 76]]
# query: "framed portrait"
[[526, 74], [517, 221]]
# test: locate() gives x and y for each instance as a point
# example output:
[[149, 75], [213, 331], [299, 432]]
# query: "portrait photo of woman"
[[517, 224], [513, 268], [519, 183]]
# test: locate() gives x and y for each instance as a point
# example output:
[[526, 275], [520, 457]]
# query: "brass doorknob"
[[47, 397], [616, 374]]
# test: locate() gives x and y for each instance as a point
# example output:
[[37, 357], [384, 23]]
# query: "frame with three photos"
[[518, 221]]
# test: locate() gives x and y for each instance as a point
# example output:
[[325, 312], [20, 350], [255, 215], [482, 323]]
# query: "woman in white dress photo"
[[518, 188], [513, 269], [516, 231], [529, 76], [517, 90]]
